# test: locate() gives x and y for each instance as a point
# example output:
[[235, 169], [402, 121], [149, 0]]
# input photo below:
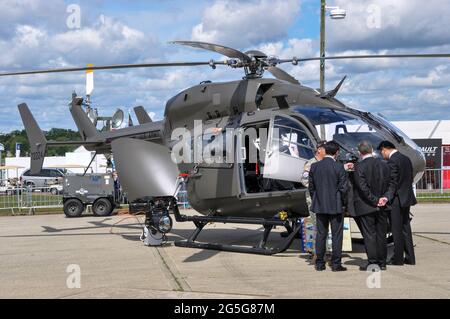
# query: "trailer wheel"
[[102, 207], [73, 207]]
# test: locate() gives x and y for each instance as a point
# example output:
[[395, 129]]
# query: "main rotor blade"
[[116, 66], [229, 52], [282, 75], [369, 56]]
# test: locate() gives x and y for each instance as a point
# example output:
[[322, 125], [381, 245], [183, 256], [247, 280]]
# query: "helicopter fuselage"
[[244, 145], [239, 188]]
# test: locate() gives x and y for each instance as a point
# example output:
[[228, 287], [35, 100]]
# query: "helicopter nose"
[[420, 166], [417, 158]]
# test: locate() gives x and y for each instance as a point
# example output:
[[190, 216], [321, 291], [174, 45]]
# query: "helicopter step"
[[201, 221]]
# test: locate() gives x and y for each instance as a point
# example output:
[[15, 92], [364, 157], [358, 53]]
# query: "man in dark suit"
[[402, 176], [328, 187], [372, 182]]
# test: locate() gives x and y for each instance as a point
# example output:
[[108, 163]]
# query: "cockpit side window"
[[292, 139]]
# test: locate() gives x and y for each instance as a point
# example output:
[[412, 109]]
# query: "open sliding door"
[[289, 148]]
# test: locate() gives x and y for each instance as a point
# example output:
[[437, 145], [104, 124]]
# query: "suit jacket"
[[372, 177], [402, 173], [327, 186]]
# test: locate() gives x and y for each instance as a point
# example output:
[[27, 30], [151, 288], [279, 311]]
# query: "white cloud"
[[437, 77], [29, 36], [36, 13], [106, 41], [33, 35], [245, 23], [386, 24], [293, 47], [438, 97]]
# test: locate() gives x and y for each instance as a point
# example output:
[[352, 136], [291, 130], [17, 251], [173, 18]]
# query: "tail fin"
[[84, 124], [38, 143], [142, 115]]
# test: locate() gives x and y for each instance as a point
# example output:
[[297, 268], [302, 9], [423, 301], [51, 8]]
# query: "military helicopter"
[[237, 186]]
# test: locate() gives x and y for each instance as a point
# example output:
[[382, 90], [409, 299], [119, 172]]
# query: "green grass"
[[433, 200], [38, 199], [431, 196], [12, 200], [39, 211], [48, 199]]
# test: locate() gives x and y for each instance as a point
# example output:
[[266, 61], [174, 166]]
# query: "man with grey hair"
[[372, 182]]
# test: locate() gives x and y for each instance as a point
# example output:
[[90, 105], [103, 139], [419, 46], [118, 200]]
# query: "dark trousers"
[[337, 230], [373, 227], [401, 231]]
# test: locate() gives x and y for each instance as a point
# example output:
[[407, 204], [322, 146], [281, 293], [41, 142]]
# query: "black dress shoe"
[[320, 267], [408, 262], [393, 263], [370, 266], [338, 268]]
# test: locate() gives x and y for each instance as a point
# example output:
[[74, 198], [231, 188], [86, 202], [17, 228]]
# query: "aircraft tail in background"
[[36, 137], [85, 127], [142, 115]]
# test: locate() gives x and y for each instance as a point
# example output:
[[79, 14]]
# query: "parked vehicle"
[[49, 179], [97, 190]]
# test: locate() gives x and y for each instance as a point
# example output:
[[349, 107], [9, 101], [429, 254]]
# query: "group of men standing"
[[380, 191]]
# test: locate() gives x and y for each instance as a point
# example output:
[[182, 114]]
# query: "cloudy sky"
[[40, 34]]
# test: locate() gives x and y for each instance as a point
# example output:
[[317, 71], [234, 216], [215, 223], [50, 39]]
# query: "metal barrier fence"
[[434, 184], [17, 198]]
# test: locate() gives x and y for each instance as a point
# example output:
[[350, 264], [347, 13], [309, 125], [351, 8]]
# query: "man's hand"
[[349, 166], [382, 201]]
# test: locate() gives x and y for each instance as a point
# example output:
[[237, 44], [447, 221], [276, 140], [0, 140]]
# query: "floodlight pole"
[[322, 55], [1, 160], [1, 171], [323, 10], [322, 45]]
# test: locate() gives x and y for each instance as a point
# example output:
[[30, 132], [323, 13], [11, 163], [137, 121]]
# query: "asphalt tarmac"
[[50, 256]]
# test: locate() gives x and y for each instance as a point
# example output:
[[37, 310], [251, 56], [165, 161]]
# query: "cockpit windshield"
[[345, 128], [396, 130], [349, 127]]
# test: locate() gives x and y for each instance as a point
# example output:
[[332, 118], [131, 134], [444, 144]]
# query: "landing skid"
[[261, 249]]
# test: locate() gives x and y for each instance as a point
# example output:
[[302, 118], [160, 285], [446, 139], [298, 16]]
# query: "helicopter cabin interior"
[[273, 157]]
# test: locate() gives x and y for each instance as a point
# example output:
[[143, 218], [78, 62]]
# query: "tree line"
[[9, 141]]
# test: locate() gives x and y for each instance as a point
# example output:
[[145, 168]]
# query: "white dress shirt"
[[392, 153], [366, 156]]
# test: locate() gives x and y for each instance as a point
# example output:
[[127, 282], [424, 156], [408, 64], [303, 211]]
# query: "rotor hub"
[[255, 67]]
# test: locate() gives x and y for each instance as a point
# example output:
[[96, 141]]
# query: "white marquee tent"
[[426, 129]]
